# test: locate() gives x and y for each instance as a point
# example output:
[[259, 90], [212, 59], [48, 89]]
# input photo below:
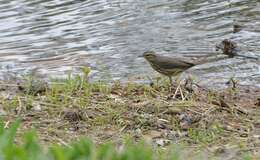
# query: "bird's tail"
[[209, 59]]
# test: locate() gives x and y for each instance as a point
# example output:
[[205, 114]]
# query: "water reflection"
[[55, 36]]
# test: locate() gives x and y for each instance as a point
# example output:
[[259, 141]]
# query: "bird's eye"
[[149, 55]]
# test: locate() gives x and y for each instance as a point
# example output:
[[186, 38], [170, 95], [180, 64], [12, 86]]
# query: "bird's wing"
[[170, 63]]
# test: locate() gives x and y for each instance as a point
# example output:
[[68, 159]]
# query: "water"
[[53, 37]]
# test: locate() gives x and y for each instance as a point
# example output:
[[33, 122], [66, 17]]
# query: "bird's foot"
[[180, 90]]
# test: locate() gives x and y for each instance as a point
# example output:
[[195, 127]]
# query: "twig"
[[20, 105], [49, 104], [211, 109], [6, 124], [63, 142], [194, 111], [10, 85]]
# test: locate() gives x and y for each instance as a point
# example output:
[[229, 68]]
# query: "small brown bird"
[[167, 66]]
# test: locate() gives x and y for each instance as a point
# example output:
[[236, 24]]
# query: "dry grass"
[[222, 123]]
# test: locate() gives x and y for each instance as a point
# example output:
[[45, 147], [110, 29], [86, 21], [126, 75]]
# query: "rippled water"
[[52, 37]]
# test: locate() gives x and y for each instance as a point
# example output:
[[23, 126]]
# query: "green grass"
[[206, 136], [67, 110], [29, 149]]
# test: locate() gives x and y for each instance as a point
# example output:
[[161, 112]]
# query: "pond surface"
[[53, 37]]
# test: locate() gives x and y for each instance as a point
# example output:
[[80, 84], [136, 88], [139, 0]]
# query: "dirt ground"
[[223, 123]]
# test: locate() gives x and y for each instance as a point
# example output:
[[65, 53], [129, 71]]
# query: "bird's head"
[[149, 55]]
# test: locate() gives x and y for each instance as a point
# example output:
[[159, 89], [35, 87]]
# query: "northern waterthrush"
[[167, 66]]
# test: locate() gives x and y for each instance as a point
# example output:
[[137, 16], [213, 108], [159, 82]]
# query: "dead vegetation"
[[218, 122]]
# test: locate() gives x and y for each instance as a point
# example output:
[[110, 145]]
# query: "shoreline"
[[64, 112]]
